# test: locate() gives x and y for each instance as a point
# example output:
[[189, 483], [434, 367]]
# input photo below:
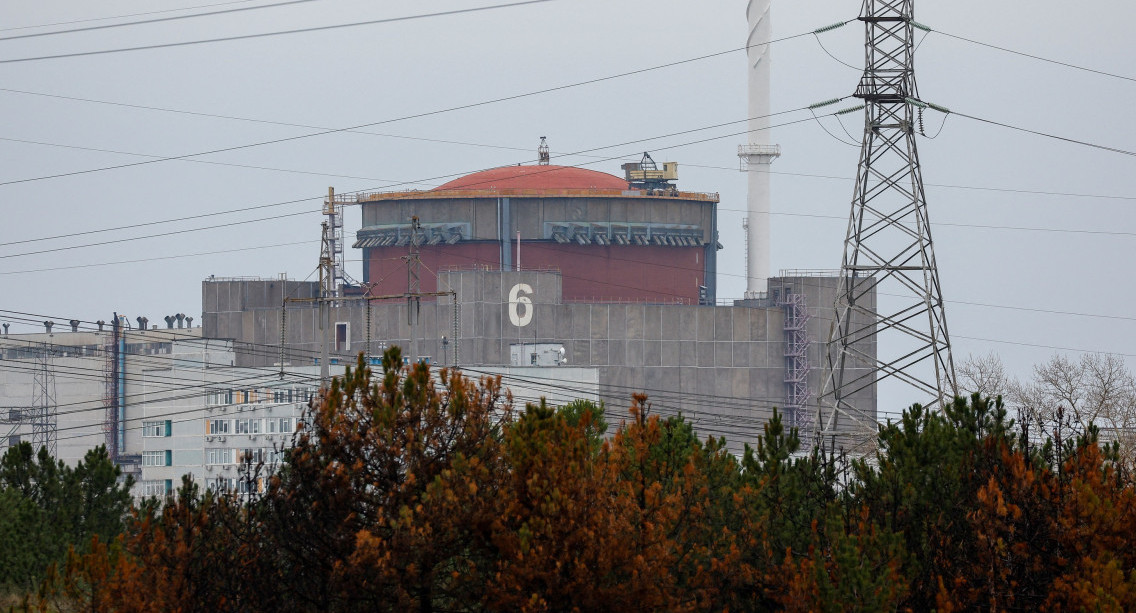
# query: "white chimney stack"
[[756, 157]]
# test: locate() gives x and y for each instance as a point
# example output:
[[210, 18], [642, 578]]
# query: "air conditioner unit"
[[209, 467], [252, 437], [221, 439], [208, 439]]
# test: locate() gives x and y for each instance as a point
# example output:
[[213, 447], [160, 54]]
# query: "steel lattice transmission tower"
[[888, 252], [45, 425]]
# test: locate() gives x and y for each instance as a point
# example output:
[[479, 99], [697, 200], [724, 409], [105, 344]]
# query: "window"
[[222, 484], [219, 456], [255, 456], [242, 426], [254, 426], [248, 486], [157, 428], [284, 425], [217, 426], [156, 487], [157, 458], [215, 397], [343, 336]]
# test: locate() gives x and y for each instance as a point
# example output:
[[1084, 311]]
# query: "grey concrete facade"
[[723, 367]]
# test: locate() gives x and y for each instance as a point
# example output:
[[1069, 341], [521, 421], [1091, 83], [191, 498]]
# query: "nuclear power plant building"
[[556, 278]]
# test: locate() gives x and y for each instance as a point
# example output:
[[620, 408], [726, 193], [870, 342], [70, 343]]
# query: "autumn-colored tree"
[[189, 555], [403, 491], [386, 497]]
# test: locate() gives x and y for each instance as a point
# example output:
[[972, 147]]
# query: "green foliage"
[[48, 507], [588, 414]]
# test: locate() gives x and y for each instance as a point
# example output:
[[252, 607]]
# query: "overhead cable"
[[276, 33], [157, 20], [412, 116], [1034, 57], [67, 23]]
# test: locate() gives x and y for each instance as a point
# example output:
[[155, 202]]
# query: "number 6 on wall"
[[518, 298]]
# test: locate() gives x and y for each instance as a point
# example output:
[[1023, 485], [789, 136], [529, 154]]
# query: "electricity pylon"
[[889, 318], [45, 416]]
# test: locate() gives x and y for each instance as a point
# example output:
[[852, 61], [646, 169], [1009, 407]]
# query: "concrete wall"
[[723, 367]]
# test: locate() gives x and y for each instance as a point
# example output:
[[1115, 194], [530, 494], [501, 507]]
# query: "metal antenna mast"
[[888, 249]]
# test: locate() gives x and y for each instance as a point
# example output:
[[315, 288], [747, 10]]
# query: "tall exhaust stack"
[[756, 157]]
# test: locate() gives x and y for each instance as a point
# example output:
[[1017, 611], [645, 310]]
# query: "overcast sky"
[[1076, 259]]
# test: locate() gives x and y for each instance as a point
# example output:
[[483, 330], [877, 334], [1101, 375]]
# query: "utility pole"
[[112, 392], [327, 294], [888, 250], [413, 287]]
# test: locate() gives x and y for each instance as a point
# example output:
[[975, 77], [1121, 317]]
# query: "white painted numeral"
[[518, 298]]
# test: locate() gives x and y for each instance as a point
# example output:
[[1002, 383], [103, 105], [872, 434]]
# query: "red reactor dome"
[[535, 177]]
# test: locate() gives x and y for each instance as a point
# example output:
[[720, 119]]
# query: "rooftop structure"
[[610, 240]]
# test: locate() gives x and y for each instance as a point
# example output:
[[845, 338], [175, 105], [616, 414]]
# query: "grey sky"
[[367, 74]]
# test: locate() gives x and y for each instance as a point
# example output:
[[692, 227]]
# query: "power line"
[[163, 221], [100, 243], [1047, 135], [157, 235], [230, 164], [712, 400], [1009, 190], [171, 336], [1035, 57], [969, 225], [696, 417], [157, 20], [1021, 344], [158, 258], [748, 402], [276, 33], [812, 215], [1070, 313], [65, 23], [180, 384], [815, 285], [406, 117], [260, 121]]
